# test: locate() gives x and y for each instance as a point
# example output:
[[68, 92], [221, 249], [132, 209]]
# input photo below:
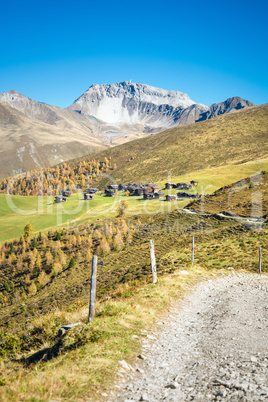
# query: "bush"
[[71, 263]]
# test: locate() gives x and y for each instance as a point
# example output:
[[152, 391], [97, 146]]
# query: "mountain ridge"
[[155, 108], [136, 110]]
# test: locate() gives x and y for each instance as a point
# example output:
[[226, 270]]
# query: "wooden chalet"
[[148, 196], [59, 199], [184, 195], [67, 193], [168, 186], [171, 197], [154, 187], [122, 187], [113, 187], [187, 195], [131, 189], [140, 191], [159, 195], [194, 183], [89, 196], [92, 190], [109, 193], [184, 186]]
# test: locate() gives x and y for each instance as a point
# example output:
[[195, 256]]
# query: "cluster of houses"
[[134, 189], [182, 186], [147, 190], [151, 191], [63, 197]]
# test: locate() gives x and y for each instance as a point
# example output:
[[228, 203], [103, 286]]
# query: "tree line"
[[28, 263], [52, 181]]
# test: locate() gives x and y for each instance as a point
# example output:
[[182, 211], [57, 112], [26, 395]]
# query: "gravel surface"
[[212, 348]]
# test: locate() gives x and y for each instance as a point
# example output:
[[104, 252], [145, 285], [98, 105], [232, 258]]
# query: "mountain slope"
[[247, 197], [31, 144], [231, 138], [154, 108], [35, 135]]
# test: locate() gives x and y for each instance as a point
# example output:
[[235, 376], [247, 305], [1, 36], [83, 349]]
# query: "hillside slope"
[[30, 143], [236, 137], [247, 197], [36, 135]]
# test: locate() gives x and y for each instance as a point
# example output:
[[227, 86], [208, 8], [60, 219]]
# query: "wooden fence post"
[[193, 251], [93, 288], [260, 260], [153, 262]]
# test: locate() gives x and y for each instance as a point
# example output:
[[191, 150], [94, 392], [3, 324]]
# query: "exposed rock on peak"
[[153, 108], [132, 103], [230, 105]]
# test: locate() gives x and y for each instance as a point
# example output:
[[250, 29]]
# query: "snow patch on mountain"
[[133, 103]]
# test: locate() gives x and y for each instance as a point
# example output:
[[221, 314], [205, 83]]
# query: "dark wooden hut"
[[67, 193], [171, 197]]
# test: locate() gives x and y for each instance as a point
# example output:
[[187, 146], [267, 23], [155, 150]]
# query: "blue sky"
[[53, 51]]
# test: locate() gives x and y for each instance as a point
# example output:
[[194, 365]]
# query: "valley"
[[44, 214], [46, 247]]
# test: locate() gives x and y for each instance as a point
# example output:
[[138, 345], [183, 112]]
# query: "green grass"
[[88, 362], [89, 355], [229, 139], [16, 211]]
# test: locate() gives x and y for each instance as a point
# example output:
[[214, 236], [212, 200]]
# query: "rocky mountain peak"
[[132, 103]]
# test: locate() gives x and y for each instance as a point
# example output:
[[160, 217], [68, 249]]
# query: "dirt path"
[[213, 348]]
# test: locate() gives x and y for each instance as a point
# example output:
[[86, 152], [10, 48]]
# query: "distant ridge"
[[154, 108], [35, 135]]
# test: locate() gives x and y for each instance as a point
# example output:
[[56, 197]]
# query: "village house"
[[184, 186], [170, 197], [59, 199], [113, 187], [122, 187], [168, 186], [109, 193], [66, 193], [194, 183], [154, 187], [148, 196], [89, 196], [140, 191], [131, 189], [159, 195], [92, 190], [187, 195]]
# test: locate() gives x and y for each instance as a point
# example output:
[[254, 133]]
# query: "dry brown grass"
[[85, 372]]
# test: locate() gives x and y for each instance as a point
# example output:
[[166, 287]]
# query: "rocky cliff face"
[[230, 105], [154, 108], [134, 103]]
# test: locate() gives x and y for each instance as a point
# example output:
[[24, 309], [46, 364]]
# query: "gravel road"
[[212, 348]]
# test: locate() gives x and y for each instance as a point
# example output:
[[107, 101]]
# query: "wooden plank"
[[93, 288], [153, 262]]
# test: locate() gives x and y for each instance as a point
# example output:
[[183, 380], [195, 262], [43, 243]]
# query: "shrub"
[[71, 263]]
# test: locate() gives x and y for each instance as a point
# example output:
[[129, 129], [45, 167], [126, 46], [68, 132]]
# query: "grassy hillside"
[[126, 301], [27, 143], [233, 138], [43, 213], [247, 197]]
